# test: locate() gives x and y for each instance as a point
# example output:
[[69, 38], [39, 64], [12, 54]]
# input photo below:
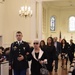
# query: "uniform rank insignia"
[[15, 47], [24, 48]]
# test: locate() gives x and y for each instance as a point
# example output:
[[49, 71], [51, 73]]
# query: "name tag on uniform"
[[24, 48], [15, 47]]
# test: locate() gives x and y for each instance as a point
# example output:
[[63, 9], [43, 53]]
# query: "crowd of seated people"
[[5, 55], [53, 49]]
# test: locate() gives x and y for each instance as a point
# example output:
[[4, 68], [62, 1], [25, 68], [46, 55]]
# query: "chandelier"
[[25, 11]]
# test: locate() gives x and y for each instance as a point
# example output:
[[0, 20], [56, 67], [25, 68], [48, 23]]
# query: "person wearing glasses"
[[18, 55], [38, 58]]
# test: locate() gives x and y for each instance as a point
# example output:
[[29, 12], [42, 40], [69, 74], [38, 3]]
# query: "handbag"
[[43, 70]]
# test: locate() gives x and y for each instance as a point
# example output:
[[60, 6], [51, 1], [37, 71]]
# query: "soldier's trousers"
[[19, 72]]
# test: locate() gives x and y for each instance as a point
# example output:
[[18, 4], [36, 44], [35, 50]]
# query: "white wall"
[[10, 21], [62, 15], [1, 17]]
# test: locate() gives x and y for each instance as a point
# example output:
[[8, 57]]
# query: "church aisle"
[[62, 71]]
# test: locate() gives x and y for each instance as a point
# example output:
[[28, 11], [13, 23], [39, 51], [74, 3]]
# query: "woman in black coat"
[[38, 57], [64, 52], [42, 45], [51, 54]]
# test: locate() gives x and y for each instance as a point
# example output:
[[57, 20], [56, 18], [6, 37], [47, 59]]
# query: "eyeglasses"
[[36, 43]]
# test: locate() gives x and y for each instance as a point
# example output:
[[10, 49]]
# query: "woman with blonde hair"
[[38, 58]]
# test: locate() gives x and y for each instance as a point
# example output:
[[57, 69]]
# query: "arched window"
[[52, 23], [72, 23]]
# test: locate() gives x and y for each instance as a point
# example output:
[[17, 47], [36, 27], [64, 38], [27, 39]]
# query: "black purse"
[[43, 70]]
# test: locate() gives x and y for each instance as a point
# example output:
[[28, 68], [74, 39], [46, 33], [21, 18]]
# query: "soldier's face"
[[19, 36]]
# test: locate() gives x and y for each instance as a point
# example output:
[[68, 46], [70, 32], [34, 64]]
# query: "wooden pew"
[[72, 67]]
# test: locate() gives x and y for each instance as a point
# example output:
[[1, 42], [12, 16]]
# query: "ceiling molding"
[[60, 4]]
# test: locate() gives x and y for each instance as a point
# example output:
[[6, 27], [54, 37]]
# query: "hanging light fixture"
[[25, 11]]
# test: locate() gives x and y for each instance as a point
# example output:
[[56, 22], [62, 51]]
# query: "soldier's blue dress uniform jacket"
[[16, 50]]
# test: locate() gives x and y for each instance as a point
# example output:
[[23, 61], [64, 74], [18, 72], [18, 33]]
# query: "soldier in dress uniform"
[[18, 55]]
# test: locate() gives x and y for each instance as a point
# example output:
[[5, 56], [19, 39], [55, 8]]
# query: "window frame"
[[69, 25], [54, 23]]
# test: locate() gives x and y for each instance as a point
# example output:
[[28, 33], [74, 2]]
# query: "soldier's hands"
[[20, 58], [10, 68], [27, 53]]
